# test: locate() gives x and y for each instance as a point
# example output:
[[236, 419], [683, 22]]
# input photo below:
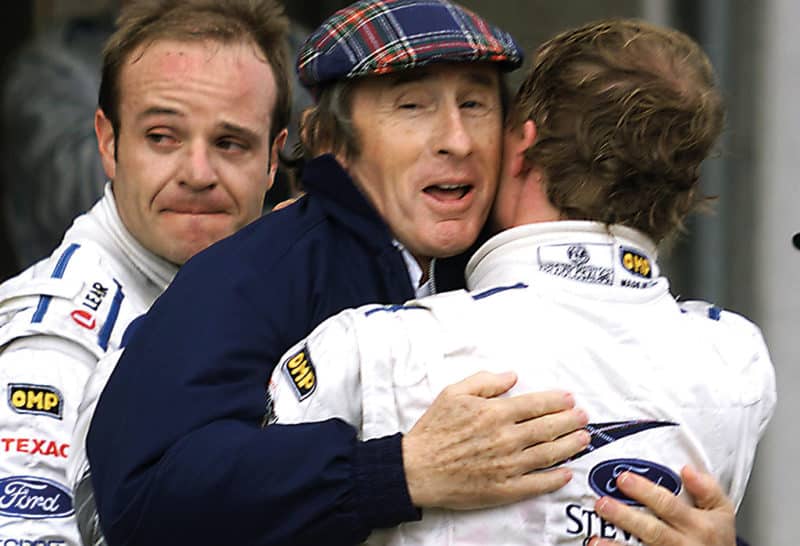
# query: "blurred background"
[[740, 257]]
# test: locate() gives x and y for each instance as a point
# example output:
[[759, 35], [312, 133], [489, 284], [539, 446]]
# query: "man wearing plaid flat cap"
[[410, 104]]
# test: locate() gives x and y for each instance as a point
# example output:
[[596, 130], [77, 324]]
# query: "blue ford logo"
[[603, 477], [34, 498]]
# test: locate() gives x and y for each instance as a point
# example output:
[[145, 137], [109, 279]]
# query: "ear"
[[104, 132], [274, 151], [517, 144]]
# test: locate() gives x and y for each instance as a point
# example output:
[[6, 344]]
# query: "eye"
[[471, 104], [230, 144], [409, 106], [160, 138]]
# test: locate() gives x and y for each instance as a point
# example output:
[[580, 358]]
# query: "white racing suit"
[[566, 305], [57, 319]]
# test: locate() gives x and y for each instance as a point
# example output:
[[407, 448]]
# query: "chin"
[[455, 241]]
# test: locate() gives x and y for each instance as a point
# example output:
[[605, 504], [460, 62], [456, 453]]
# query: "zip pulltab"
[[431, 276]]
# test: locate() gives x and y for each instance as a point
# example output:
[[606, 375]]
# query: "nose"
[[454, 138], [199, 173]]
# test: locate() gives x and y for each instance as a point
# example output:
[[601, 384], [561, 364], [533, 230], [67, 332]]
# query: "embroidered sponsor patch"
[[35, 399], [299, 369], [35, 446], [29, 497], [603, 477], [636, 263], [584, 262]]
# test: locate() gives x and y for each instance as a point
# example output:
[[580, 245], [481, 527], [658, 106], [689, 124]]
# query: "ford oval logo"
[[603, 477], [34, 498]]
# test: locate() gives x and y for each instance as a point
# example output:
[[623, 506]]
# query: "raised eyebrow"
[[158, 111]]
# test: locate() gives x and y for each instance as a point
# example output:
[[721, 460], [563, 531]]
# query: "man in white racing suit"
[[602, 157], [58, 318], [190, 150]]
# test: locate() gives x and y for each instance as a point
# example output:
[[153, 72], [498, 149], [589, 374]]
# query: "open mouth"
[[448, 192]]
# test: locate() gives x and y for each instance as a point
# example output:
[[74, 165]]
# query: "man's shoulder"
[[300, 232], [74, 294], [714, 318]]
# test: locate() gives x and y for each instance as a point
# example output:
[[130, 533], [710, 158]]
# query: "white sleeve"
[[759, 375], [78, 461], [43, 378], [78, 477], [319, 377]]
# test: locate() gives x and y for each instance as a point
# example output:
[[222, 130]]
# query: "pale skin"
[[193, 156], [430, 153], [485, 447]]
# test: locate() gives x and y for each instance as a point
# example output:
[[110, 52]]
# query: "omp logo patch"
[[301, 373], [636, 263], [35, 399], [603, 477]]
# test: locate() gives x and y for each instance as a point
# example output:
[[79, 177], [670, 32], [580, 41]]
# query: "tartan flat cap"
[[384, 36]]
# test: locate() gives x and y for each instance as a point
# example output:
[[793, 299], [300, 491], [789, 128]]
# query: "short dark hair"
[[142, 22]]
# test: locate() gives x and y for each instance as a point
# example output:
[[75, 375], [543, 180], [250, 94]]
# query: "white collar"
[[120, 242], [415, 272], [590, 253]]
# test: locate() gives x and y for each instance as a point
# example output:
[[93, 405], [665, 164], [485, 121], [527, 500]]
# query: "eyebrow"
[[243, 132], [158, 111], [234, 128]]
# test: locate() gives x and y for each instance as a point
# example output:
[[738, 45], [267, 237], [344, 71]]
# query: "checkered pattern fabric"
[[384, 36]]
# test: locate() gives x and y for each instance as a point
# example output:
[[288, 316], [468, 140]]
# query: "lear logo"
[[301, 373], [636, 263], [34, 498], [603, 477], [35, 399], [83, 318]]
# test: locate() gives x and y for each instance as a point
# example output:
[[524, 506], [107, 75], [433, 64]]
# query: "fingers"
[[544, 455], [551, 426], [662, 502], [483, 384], [647, 528], [540, 483], [674, 523], [704, 488], [524, 407]]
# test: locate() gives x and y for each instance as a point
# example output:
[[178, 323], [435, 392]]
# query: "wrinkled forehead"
[[478, 75]]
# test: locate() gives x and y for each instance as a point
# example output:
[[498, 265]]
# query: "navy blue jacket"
[[176, 446]]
